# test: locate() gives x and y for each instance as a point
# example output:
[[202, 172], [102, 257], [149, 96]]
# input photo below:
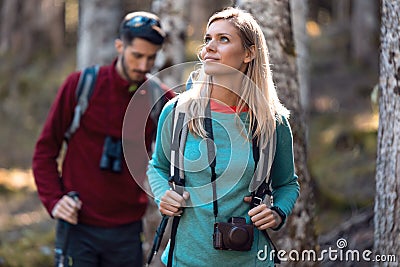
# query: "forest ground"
[[342, 154]]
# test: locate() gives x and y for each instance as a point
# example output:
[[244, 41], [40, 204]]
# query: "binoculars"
[[111, 159]]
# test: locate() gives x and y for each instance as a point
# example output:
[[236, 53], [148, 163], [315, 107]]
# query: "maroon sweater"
[[109, 199]]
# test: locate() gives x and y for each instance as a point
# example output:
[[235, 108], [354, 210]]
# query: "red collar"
[[218, 106]]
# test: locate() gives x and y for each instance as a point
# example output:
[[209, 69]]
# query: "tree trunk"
[[174, 21], [200, 11], [54, 17], [199, 14], [387, 199], [275, 19], [8, 24], [28, 27], [363, 42], [299, 15], [341, 12], [98, 27], [136, 5]]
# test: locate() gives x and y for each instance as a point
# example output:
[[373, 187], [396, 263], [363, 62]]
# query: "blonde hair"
[[258, 91]]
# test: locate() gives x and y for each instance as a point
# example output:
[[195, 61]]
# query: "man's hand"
[[171, 203], [67, 209]]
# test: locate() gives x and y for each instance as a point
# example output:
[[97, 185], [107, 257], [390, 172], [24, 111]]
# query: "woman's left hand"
[[263, 217]]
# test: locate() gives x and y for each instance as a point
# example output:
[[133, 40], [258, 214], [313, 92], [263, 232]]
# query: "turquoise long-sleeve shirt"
[[234, 169]]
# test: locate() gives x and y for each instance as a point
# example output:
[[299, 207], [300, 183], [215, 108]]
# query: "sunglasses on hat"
[[139, 21]]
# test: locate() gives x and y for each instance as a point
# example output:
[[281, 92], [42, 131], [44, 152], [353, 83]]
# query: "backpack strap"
[[84, 91], [177, 177], [178, 141], [176, 181], [260, 185], [157, 96]]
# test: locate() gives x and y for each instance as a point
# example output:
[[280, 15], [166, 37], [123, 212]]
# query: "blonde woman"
[[234, 88]]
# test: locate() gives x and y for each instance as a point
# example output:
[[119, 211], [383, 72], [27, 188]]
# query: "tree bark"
[[341, 12], [98, 27], [199, 14], [387, 199], [174, 21], [364, 31], [275, 19], [8, 24], [299, 15], [28, 27], [136, 5]]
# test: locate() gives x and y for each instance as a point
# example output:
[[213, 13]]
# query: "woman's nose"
[[210, 46]]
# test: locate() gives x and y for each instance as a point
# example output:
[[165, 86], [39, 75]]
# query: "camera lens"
[[238, 236]]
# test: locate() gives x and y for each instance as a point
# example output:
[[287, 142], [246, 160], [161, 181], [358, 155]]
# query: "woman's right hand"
[[172, 203]]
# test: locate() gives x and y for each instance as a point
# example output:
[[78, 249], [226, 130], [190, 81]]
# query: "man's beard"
[[125, 71]]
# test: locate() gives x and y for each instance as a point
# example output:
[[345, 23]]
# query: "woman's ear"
[[250, 54]]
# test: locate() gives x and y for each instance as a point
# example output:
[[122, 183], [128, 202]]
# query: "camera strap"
[[211, 157]]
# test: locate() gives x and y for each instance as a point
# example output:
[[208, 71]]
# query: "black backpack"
[[84, 91]]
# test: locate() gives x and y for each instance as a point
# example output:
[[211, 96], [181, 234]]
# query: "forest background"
[[342, 116]]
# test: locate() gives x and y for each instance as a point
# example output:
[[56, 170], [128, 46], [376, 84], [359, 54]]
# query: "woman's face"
[[223, 45]]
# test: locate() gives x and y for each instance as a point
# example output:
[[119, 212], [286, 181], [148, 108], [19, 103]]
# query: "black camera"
[[233, 235], [111, 159]]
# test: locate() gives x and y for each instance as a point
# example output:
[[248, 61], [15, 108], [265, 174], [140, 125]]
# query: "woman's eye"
[[224, 39]]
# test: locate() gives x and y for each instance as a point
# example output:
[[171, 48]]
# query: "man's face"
[[138, 57]]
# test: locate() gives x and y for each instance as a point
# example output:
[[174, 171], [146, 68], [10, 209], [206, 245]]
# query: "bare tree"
[[98, 27], [364, 31], [200, 11], [387, 199], [341, 11], [27, 27], [136, 5], [274, 17], [299, 12], [174, 20]]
